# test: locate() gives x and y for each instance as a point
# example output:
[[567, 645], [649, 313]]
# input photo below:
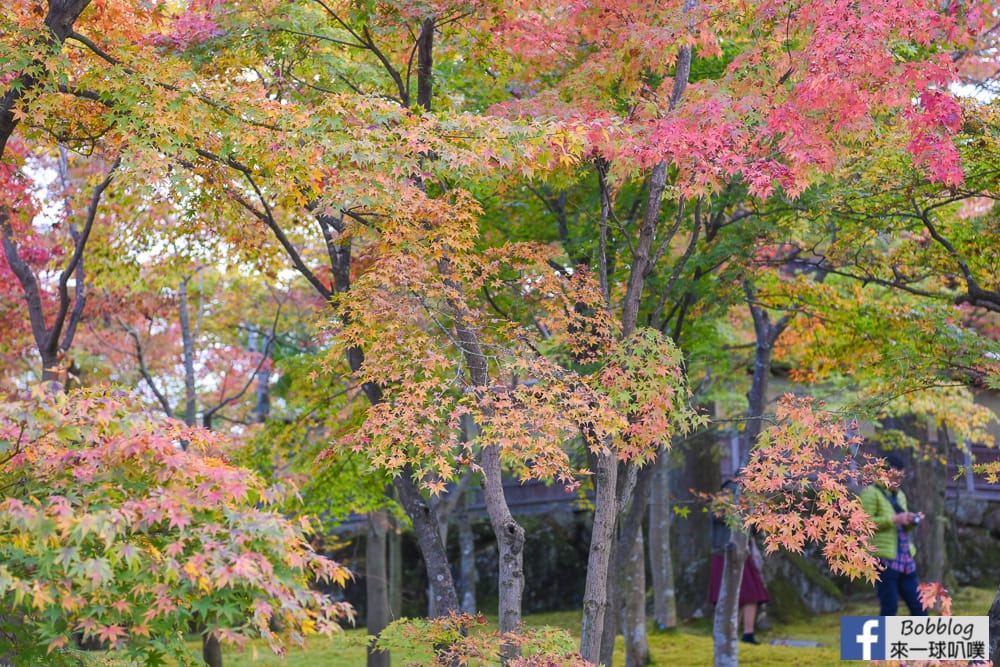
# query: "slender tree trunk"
[[724, 626], [660, 558], [510, 541], [445, 505], [767, 333], [467, 557], [211, 651], [643, 259], [634, 631], [395, 571], [595, 597], [262, 405], [927, 495], [376, 592], [633, 500], [509, 533], [425, 527], [187, 341], [614, 617], [441, 516], [995, 629]]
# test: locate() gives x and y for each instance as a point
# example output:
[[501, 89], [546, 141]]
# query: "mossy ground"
[[688, 646]]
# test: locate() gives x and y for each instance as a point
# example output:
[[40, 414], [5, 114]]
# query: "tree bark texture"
[[444, 507], [614, 616], [510, 541], [634, 630], [425, 527], [376, 590], [660, 558], [467, 558], [724, 626], [425, 64], [633, 498], [441, 516], [595, 596], [395, 571], [641, 258]]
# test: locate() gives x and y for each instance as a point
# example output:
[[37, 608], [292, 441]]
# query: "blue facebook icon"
[[862, 638]]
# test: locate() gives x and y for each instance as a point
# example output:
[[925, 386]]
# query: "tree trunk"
[[995, 629], [634, 630], [187, 340], [425, 527], [606, 503], [724, 626], [467, 558], [376, 593], [927, 494], [52, 373], [660, 560], [727, 609], [510, 541], [614, 617], [395, 571], [595, 597], [442, 525], [697, 470], [633, 500], [509, 533], [262, 405], [211, 651], [444, 506]]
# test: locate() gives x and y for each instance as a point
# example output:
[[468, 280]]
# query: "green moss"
[[785, 605], [690, 645], [815, 576]]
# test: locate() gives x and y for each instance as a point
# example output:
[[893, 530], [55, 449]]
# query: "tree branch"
[[267, 217], [144, 369], [79, 301], [206, 417], [29, 284], [976, 295]]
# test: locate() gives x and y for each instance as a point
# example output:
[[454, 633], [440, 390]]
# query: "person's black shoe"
[[748, 638]]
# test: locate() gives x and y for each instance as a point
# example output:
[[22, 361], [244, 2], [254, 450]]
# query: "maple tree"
[[115, 533], [372, 147], [29, 252]]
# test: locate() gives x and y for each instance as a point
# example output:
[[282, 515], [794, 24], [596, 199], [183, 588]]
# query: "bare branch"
[[324, 38], [225, 401], [52, 344], [144, 369]]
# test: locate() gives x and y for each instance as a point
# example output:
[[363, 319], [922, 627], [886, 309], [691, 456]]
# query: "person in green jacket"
[[894, 524]]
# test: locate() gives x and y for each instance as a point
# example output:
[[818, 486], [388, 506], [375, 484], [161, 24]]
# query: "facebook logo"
[[862, 638]]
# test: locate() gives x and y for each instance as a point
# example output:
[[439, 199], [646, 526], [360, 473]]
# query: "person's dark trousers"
[[891, 586]]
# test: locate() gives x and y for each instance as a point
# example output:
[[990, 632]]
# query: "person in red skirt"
[[753, 592]]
